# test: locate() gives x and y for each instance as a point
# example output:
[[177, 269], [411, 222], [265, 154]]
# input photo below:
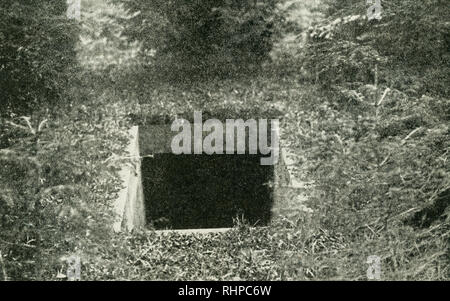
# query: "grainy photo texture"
[[224, 140]]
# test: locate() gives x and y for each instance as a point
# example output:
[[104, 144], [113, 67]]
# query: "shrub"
[[57, 186], [204, 35], [37, 51], [408, 46], [375, 135]]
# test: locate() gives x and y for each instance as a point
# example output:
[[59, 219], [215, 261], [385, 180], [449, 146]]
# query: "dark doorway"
[[206, 191]]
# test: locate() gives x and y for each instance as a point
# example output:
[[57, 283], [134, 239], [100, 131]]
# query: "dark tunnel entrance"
[[206, 191]]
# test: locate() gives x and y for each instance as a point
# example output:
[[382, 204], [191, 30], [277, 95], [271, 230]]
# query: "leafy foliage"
[[102, 46], [56, 186], [409, 45], [36, 54], [374, 134], [204, 35]]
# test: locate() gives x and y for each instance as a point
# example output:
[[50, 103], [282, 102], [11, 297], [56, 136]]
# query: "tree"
[[409, 44], [204, 35], [37, 51], [375, 133]]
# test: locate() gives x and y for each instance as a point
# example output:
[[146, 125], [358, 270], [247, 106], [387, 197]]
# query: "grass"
[[296, 246]]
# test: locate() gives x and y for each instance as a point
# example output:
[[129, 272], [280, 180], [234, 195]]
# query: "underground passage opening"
[[206, 191]]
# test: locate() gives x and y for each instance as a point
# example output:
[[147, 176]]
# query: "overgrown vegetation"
[[37, 54], [206, 37], [409, 46], [57, 186], [375, 134], [365, 109]]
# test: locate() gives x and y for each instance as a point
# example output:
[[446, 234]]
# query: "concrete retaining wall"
[[129, 206]]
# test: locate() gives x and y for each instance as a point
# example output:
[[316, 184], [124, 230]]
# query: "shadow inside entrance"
[[206, 191]]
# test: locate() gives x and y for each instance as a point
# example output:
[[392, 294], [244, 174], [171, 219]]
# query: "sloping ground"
[[93, 129], [294, 246], [291, 247], [275, 253], [242, 253]]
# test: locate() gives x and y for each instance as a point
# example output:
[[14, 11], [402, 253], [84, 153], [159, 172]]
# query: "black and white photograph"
[[224, 147]]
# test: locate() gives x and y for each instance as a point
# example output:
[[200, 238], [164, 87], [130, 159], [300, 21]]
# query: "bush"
[[409, 47], [37, 51], [57, 186], [375, 135], [203, 35]]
